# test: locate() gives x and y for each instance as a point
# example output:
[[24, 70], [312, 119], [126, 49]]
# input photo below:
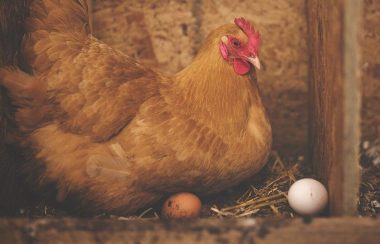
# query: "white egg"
[[307, 197]]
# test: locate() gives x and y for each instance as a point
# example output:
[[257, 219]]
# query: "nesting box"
[[313, 83], [320, 104]]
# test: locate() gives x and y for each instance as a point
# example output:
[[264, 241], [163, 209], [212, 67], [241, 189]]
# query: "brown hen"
[[120, 135]]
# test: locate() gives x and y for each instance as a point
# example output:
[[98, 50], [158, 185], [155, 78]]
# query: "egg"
[[182, 205], [307, 197]]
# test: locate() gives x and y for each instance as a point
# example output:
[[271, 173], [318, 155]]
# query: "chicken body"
[[121, 135]]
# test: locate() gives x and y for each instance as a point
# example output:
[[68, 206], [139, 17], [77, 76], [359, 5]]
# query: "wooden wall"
[[169, 33]]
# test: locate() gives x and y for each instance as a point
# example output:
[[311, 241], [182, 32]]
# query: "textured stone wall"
[[370, 40], [169, 33]]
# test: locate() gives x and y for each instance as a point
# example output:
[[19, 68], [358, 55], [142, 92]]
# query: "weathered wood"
[[333, 230], [335, 99]]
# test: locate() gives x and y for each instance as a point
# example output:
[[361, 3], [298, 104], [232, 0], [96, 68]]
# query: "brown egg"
[[182, 205]]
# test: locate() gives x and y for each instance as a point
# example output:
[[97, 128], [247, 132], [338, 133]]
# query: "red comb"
[[247, 28]]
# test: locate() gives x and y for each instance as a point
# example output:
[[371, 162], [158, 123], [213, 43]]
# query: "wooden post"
[[335, 96]]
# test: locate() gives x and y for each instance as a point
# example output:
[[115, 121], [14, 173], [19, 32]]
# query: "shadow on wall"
[[12, 187]]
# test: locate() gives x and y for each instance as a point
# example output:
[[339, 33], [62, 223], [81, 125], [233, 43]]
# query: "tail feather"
[[27, 92], [54, 28], [22, 87]]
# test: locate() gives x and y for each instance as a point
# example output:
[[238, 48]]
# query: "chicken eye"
[[235, 43]]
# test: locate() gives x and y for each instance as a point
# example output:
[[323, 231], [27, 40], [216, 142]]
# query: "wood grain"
[[335, 95], [332, 230]]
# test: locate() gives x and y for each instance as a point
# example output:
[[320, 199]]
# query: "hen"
[[116, 135]]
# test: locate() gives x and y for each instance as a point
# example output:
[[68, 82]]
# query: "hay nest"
[[264, 195], [267, 195]]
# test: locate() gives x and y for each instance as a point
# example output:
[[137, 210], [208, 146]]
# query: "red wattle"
[[241, 67]]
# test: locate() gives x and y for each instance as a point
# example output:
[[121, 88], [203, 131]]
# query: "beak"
[[254, 61]]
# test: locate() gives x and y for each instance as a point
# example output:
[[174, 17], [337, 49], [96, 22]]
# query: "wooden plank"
[[352, 105], [334, 103], [269, 230]]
